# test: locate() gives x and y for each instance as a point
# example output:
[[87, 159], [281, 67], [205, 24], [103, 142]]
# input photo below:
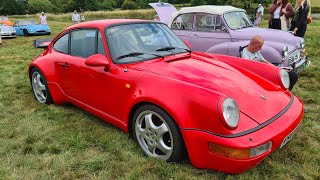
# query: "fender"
[[184, 102], [232, 49], [47, 68]]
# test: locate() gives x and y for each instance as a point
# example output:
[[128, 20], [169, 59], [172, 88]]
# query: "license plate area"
[[287, 138]]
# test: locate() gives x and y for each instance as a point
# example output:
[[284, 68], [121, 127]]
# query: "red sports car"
[[225, 113]]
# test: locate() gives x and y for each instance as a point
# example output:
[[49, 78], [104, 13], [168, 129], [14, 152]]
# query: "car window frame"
[[193, 22], [80, 29], [225, 22], [128, 23], [216, 17], [63, 34], [97, 30]]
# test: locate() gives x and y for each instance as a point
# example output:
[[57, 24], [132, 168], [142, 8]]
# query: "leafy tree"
[[36, 6], [129, 4], [10, 7], [107, 5], [197, 2]]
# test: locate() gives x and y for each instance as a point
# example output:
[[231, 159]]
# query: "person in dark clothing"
[[277, 9], [299, 22]]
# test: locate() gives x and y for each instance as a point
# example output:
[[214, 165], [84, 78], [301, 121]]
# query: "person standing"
[[75, 17], [43, 19], [299, 22], [277, 9], [259, 14]]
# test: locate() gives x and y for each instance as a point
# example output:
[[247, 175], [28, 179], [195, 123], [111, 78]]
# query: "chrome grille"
[[294, 57]]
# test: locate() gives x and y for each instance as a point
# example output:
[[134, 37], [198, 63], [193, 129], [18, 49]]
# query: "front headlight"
[[31, 29], [302, 44], [285, 50], [284, 79], [230, 113]]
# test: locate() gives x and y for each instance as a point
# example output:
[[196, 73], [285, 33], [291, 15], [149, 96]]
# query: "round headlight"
[[285, 50], [230, 112], [302, 45], [284, 77]]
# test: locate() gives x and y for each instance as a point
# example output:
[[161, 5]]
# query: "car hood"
[[37, 27], [269, 35], [164, 11], [7, 29], [222, 78]]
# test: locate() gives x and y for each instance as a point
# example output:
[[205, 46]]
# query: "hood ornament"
[[263, 97]]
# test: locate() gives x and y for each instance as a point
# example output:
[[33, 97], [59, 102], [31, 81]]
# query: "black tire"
[[25, 32], [40, 87], [171, 139]]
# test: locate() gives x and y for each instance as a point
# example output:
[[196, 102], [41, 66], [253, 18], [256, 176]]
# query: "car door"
[[209, 31], [18, 29], [183, 25], [90, 86]]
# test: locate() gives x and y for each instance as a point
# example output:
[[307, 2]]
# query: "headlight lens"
[[230, 112], [284, 77], [285, 50], [302, 45]]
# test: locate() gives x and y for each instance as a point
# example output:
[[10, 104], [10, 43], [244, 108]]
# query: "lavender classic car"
[[224, 29]]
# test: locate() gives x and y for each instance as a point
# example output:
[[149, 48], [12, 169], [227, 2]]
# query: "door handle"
[[195, 35], [64, 64]]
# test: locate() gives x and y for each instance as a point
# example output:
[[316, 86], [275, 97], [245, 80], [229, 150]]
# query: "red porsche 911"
[[224, 113]]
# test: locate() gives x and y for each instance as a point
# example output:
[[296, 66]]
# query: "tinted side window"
[[183, 22], [83, 43], [100, 45], [62, 44]]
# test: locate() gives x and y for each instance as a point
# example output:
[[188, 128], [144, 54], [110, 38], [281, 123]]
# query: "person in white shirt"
[[43, 19], [75, 17], [252, 52]]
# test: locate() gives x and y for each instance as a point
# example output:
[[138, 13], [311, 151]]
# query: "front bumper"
[[302, 64], [8, 35], [201, 157]]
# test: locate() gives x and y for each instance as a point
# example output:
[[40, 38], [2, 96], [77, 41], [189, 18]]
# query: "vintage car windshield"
[[237, 20], [26, 23], [134, 42]]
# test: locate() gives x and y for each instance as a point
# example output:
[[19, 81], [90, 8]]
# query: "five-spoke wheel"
[[157, 134], [40, 87]]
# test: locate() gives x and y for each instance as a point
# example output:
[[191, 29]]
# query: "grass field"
[[64, 142]]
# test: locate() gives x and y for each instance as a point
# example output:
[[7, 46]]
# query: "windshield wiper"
[[168, 48], [132, 54]]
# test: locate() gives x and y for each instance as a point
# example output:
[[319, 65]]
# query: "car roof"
[[107, 22], [211, 9]]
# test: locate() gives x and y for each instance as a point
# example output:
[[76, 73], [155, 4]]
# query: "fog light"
[[239, 153], [260, 149]]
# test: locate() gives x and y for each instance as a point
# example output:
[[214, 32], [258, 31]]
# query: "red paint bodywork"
[[188, 87]]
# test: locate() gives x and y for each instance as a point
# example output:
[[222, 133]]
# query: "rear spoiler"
[[41, 43]]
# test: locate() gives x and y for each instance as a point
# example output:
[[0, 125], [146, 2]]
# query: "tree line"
[[16, 7]]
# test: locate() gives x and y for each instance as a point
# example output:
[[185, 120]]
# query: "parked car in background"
[[31, 27], [223, 112], [224, 29], [6, 21], [7, 31]]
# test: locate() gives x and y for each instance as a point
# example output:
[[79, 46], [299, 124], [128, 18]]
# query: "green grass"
[[64, 142]]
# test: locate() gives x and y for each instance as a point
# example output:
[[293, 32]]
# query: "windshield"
[[129, 43], [26, 23], [237, 20]]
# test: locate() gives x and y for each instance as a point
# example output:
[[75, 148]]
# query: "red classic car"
[[225, 113]]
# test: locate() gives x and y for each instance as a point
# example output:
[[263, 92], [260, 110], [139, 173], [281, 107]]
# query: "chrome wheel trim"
[[38, 87], [154, 138]]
